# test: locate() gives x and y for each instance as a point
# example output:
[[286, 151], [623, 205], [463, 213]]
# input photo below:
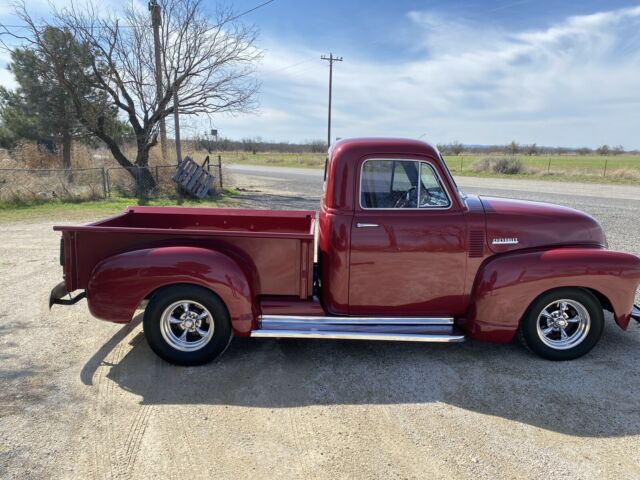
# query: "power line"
[[330, 59], [246, 12]]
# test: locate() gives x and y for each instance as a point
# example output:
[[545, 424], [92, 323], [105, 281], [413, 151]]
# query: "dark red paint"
[[416, 262]]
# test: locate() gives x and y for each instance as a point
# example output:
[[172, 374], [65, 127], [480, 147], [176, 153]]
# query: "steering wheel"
[[405, 200]]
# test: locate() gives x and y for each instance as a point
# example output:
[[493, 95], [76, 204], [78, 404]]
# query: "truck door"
[[408, 248]]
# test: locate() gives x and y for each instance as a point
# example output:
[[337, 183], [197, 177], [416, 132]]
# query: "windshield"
[[455, 184]]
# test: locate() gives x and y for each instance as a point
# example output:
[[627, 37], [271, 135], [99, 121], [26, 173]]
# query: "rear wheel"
[[563, 324], [187, 325]]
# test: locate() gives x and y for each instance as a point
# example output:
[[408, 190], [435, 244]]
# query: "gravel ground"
[[81, 398]]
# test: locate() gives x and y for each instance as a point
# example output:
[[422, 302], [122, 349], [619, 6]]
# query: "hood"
[[518, 224]]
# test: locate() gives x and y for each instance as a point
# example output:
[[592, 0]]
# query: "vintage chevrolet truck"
[[402, 254]]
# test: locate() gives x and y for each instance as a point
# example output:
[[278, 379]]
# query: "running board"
[[406, 329]]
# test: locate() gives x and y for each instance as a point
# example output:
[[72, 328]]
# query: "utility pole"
[[156, 21], [176, 119], [330, 59]]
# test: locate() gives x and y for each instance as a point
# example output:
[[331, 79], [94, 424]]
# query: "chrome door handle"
[[364, 225]]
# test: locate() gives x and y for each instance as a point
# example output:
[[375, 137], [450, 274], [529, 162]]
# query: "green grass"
[[300, 160], [10, 211], [620, 169]]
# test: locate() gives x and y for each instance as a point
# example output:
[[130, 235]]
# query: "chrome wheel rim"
[[186, 325], [563, 324]]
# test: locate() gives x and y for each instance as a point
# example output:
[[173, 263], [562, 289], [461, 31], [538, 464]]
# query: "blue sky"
[[483, 72]]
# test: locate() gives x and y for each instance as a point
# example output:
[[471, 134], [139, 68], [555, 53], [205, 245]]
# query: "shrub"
[[506, 166]]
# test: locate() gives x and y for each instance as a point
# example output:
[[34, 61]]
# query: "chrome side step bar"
[[266, 320], [404, 329]]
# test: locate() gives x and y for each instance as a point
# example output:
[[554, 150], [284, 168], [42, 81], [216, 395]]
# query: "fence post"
[[461, 160], [104, 182], [108, 184], [220, 171], [606, 160], [549, 166]]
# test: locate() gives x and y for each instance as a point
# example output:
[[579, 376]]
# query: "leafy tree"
[[40, 107], [603, 150], [207, 66]]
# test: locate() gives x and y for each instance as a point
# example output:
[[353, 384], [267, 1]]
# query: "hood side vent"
[[476, 244]]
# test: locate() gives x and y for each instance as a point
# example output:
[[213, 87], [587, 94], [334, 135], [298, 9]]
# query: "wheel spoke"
[[202, 333], [563, 334], [174, 320], [547, 330], [546, 314], [575, 319], [185, 307], [563, 306], [183, 337], [203, 315]]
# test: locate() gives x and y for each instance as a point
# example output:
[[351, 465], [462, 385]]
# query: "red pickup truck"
[[402, 254]]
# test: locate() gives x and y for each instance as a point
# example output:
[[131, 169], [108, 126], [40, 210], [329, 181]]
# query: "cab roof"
[[401, 145]]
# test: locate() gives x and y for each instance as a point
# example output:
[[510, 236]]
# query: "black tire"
[[198, 299], [586, 337]]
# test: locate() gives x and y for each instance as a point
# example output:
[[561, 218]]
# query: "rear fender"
[[507, 284], [119, 283]]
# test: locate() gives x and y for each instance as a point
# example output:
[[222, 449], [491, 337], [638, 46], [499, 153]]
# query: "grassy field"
[[587, 168], [10, 211]]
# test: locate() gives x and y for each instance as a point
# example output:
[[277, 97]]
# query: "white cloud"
[[574, 83]]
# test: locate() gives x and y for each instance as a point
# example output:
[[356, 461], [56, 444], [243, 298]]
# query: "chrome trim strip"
[[396, 337], [299, 319], [364, 225]]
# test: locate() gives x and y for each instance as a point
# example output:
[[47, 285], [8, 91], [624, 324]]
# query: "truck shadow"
[[595, 396]]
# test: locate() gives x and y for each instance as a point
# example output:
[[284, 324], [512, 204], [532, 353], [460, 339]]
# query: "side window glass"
[[389, 184], [432, 194]]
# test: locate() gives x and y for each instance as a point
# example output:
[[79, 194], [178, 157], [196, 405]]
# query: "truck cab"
[[402, 254]]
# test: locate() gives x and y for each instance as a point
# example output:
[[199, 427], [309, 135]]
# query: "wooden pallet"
[[194, 178]]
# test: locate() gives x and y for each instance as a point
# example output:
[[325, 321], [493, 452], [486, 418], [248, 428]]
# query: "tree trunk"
[[66, 154], [145, 183]]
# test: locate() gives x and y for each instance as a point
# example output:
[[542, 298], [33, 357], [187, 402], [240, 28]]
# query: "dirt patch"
[[81, 398]]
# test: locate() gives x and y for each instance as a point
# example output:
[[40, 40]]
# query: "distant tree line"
[[514, 148], [257, 144]]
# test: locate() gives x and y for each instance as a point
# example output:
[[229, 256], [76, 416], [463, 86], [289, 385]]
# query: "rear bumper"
[[635, 313], [59, 291]]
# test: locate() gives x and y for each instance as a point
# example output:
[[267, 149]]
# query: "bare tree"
[[513, 148], [209, 63], [531, 149], [603, 150], [617, 150]]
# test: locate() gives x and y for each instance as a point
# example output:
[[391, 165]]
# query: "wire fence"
[[78, 184]]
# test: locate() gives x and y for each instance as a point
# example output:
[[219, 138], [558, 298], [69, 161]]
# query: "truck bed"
[[278, 243]]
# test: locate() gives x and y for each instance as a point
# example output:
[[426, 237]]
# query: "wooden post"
[[107, 183], [104, 182], [220, 171], [549, 166], [606, 160], [461, 160]]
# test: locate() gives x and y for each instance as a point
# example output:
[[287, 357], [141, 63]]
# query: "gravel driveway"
[[81, 398]]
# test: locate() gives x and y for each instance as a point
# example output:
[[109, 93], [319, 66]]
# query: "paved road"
[[80, 398]]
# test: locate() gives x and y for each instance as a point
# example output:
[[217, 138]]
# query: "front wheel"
[[563, 324], [187, 325]]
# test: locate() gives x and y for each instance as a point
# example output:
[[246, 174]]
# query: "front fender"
[[119, 283], [507, 284]]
